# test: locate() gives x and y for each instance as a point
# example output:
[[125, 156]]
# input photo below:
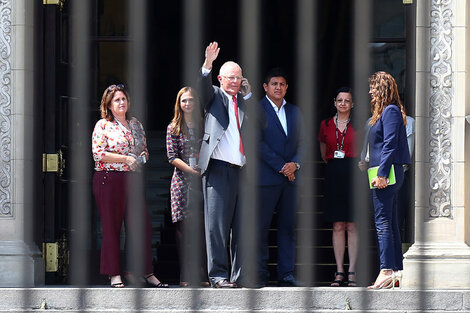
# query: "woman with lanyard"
[[119, 150], [337, 147]]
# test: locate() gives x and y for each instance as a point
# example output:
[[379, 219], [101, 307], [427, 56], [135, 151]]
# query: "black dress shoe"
[[224, 283], [288, 281]]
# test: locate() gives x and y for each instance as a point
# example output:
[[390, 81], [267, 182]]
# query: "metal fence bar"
[[135, 242], [30, 148], [192, 40], [410, 92], [250, 55], [361, 34], [193, 238], [80, 133], [79, 187], [305, 69]]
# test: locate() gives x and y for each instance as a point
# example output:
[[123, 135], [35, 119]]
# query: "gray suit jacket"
[[216, 119]]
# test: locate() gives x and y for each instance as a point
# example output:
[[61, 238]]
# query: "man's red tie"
[[235, 106]]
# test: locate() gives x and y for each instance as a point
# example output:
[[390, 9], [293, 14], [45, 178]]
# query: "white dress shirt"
[[228, 148], [281, 113]]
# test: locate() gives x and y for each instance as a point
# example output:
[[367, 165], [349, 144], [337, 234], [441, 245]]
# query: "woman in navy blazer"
[[387, 146]]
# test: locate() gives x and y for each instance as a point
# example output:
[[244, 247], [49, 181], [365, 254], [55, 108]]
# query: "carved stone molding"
[[5, 109], [441, 100]]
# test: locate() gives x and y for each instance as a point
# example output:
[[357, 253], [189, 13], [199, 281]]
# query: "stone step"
[[269, 299]]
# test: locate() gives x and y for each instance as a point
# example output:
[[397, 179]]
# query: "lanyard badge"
[[339, 153]]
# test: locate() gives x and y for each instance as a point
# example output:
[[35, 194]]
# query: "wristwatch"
[[297, 165]]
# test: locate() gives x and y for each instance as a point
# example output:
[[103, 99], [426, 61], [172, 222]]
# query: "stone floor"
[[270, 299]]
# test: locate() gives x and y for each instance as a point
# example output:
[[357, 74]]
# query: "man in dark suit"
[[221, 159], [279, 150]]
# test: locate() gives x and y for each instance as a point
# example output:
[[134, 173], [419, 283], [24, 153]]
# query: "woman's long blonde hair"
[[385, 92], [178, 117]]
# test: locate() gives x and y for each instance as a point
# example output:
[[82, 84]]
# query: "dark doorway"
[[334, 23], [51, 135], [222, 24]]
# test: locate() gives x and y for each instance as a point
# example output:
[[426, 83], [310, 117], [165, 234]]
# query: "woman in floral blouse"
[[119, 149], [183, 140]]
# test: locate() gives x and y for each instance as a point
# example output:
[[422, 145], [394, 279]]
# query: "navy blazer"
[[275, 147], [387, 141], [215, 104]]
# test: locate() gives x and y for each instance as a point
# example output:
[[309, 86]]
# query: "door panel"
[[55, 135]]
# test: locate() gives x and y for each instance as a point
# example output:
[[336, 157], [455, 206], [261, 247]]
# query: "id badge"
[[338, 154], [192, 162]]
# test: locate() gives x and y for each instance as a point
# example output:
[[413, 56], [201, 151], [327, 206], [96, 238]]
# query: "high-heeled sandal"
[[396, 281], [386, 283], [116, 285], [351, 283], [338, 282], [152, 285]]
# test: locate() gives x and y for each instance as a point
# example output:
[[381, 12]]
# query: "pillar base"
[[21, 264], [437, 266]]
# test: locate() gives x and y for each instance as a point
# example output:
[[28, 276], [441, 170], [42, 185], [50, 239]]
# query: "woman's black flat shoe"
[[117, 284]]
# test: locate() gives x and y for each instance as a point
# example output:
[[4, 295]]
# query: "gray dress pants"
[[222, 220]]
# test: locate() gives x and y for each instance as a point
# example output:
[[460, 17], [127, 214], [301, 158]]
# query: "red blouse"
[[327, 135]]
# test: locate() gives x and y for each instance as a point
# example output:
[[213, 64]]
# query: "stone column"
[[440, 256], [21, 264]]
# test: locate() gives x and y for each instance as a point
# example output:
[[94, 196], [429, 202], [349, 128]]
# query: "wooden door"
[[53, 130]]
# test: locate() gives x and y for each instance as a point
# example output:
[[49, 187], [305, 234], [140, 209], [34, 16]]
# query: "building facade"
[[31, 197], [439, 258]]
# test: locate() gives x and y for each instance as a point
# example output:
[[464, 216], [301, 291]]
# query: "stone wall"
[[20, 260]]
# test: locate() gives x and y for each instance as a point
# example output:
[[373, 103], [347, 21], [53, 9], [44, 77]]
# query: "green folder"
[[372, 173]]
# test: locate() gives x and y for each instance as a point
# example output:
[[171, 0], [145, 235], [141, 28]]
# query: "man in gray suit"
[[221, 159]]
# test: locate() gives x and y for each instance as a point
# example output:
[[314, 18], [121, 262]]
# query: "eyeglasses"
[[343, 100], [113, 86], [233, 78]]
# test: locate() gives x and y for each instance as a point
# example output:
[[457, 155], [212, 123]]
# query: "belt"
[[223, 163]]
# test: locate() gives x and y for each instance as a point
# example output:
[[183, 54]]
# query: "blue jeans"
[[386, 223]]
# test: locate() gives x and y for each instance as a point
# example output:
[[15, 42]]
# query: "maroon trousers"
[[112, 190]]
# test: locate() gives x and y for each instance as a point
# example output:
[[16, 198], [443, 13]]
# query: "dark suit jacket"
[[216, 119], [275, 147], [387, 141]]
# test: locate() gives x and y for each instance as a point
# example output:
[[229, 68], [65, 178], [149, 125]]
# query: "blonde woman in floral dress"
[[183, 142]]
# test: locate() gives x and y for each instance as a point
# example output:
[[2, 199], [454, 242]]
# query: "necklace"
[[341, 122], [125, 124]]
